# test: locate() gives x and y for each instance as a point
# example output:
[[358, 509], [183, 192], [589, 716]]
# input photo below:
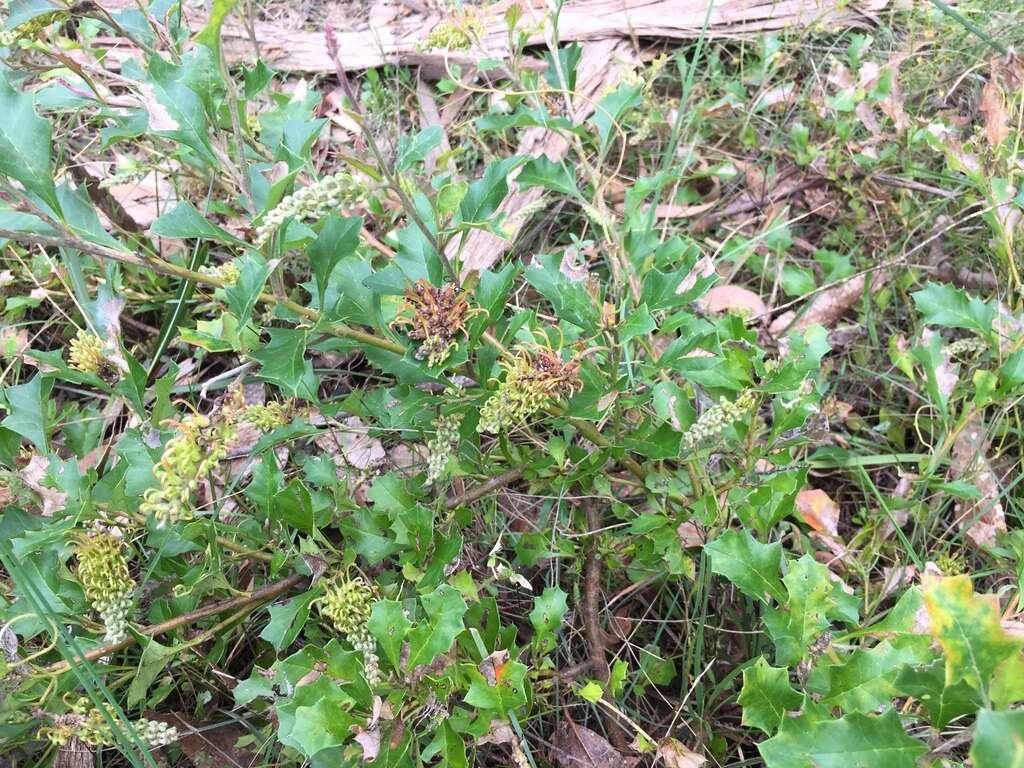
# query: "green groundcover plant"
[[279, 470]]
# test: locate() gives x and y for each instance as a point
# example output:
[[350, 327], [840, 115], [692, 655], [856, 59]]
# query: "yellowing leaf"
[[818, 510], [967, 627]]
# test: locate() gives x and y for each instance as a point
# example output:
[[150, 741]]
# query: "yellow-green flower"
[[187, 459], [347, 603], [106, 580], [87, 353]]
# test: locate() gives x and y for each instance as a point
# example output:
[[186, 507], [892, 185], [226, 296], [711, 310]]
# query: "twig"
[[479, 491], [596, 644], [261, 595]]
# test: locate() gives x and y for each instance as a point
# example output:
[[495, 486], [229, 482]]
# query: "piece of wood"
[[400, 42]]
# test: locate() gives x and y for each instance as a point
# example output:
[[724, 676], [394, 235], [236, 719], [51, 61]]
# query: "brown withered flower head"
[[435, 316]]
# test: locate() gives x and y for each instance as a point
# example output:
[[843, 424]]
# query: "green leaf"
[[753, 567], [998, 740], [948, 306], [803, 618], [389, 494], [152, 662], [243, 295], [864, 682], [570, 300], [855, 741], [175, 109], [544, 173], [284, 365], [548, 611], [337, 240], [485, 194], [968, 628], [389, 625], [317, 718], [1008, 682], [444, 608], [942, 702], [637, 323], [25, 139], [210, 34], [185, 222], [452, 748], [28, 410], [412, 150], [293, 505], [505, 696], [611, 109], [767, 696], [286, 621]]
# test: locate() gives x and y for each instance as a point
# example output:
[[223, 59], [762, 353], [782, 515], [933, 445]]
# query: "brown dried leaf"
[[574, 746], [678, 755], [704, 267], [983, 518], [33, 475], [369, 740], [732, 298], [997, 119], [501, 732], [690, 535], [818, 510]]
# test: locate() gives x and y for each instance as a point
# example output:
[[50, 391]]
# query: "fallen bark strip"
[[399, 43]]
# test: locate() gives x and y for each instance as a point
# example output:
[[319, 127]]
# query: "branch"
[[262, 595], [592, 622]]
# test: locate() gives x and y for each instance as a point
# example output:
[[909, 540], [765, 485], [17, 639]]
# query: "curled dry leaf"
[[690, 535], [369, 740], [501, 732], [897, 579], [704, 267], [675, 754], [997, 119], [982, 519], [33, 475], [574, 746], [818, 510], [733, 298]]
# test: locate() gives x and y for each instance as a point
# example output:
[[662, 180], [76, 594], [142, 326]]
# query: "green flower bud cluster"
[[87, 353], [252, 124], [107, 582], [967, 347], [715, 420], [270, 416], [312, 202], [228, 272], [188, 457], [532, 382], [457, 34], [347, 603], [441, 447], [89, 725]]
